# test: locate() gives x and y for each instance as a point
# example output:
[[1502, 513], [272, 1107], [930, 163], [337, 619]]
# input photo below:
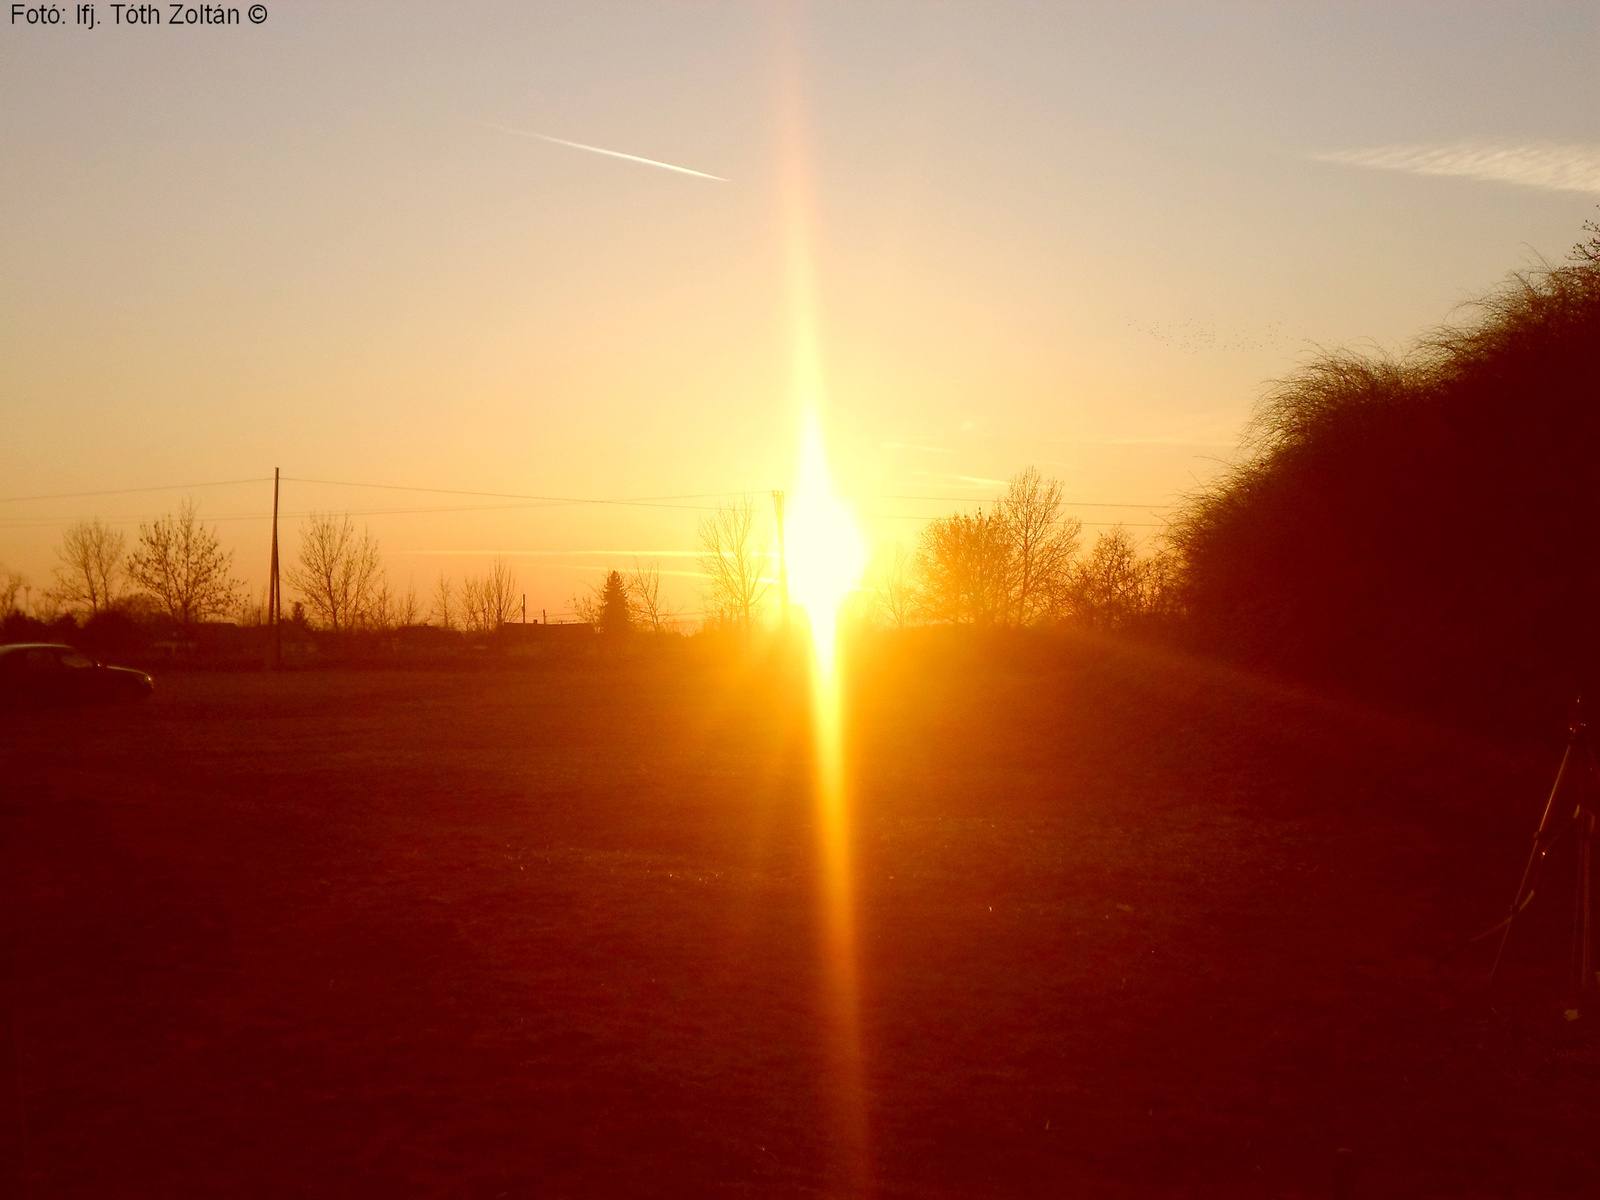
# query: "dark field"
[[1129, 926]]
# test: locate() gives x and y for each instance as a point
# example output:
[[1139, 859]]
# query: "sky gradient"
[[1082, 237]]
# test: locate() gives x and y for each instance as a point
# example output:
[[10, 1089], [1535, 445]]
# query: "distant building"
[[426, 637], [540, 639]]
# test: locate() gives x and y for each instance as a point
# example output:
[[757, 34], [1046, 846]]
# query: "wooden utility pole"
[[274, 588], [783, 562]]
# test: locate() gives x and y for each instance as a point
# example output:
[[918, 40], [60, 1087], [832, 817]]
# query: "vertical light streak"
[[827, 555], [826, 558]]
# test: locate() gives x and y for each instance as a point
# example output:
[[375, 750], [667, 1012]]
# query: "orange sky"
[[1076, 236]]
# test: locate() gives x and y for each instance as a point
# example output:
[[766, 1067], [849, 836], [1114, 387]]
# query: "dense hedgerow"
[[1424, 531]]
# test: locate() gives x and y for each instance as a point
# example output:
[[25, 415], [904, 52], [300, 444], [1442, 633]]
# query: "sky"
[[1084, 237]]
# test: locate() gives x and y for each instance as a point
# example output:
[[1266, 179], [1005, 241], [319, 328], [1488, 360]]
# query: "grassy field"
[[1130, 925]]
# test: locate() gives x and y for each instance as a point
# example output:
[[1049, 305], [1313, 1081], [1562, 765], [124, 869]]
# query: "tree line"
[[1018, 563], [177, 570]]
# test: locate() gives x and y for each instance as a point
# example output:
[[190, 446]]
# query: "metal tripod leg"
[[1582, 937], [1541, 847], [1583, 921]]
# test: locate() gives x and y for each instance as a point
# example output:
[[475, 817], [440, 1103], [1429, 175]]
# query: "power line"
[[940, 516], [981, 500], [660, 501], [368, 512], [392, 512], [168, 487], [534, 500], [642, 501]]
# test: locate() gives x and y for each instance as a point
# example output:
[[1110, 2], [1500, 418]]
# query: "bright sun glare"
[[826, 552]]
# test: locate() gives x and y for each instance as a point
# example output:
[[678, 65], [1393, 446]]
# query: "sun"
[[825, 549]]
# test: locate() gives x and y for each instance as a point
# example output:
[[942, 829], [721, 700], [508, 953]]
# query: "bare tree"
[[488, 601], [391, 609], [46, 606], [733, 556], [1042, 546], [382, 612], [586, 605], [472, 607], [253, 609], [644, 596], [501, 592], [339, 573], [892, 581], [91, 569], [474, 610], [182, 565], [409, 608], [1108, 586], [1160, 581], [1589, 251], [11, 583], [443, 602], [1010, 566], [964, 565]]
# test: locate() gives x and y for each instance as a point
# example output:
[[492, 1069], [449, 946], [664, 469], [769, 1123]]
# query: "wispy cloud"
[[963, 481], [1156, 441], [1553, 166], [642, 554], [649, 162]]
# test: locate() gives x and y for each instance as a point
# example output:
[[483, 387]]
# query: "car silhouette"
[[40, 674]]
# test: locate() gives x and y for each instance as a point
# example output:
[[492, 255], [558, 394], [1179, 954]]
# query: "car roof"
[[10, 646]]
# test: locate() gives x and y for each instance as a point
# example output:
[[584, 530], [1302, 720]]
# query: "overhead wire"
[[166, 487], [982, 500], [646, 501], [535, 500], [642, 501]]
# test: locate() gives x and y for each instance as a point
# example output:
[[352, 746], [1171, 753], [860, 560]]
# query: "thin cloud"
[[965, 481], [1156, 441], [1552, 166], [596, 570], [649, 162], [557, 553]]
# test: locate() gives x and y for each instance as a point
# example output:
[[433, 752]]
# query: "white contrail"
[[1553, 166], [649, 162]]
